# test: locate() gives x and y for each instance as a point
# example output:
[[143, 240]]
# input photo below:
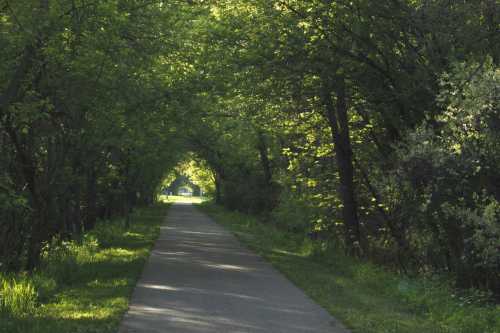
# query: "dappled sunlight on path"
[[200, 279]]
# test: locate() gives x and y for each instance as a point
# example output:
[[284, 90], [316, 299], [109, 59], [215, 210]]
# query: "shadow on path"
[[199, 278]]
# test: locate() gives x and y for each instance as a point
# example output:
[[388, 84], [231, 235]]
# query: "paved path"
[[199, 278]]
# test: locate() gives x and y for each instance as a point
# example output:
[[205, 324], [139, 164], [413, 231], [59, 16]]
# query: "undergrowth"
[[365, 297], [83, 286]]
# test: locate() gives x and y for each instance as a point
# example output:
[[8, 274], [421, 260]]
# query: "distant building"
[[185, 191], [183, 186]]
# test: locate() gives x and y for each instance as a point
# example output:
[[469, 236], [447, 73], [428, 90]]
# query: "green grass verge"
[[366, 298], [82, 287]]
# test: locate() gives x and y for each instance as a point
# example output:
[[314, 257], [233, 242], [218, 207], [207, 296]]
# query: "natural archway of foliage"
[[191, 171], [371, 125]]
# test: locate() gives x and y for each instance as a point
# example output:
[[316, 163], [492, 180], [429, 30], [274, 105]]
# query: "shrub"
[[63, 259], [293, 213], [440, 191], [45, 285], [107, 233], [58, 260]]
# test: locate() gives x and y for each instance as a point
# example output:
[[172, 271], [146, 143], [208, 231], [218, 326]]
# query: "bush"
[[435, 200], [45, 285], [440, 191], [293, 213], [107, 233], [59, 260], [481, 255], [63, 259]]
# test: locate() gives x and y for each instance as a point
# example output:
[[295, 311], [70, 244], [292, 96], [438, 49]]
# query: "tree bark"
[[91, 199], [264, 158], [218, 190], [38, 233], [338, 121]]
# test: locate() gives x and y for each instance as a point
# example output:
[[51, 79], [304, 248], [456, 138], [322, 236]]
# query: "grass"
[[82, 287], [175, 198], [366, 298]]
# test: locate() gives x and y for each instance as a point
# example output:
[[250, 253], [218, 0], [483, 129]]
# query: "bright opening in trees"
[[192, 177]]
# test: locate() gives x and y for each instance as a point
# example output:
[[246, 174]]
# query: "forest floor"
[[200, 279], [83, 287], [366, 298]]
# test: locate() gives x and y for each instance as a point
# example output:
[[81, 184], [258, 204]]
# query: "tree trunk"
[[491, 15], [264, 158], [218, 190], [91, 198], [38, 233], [77, 213], [338, 122]]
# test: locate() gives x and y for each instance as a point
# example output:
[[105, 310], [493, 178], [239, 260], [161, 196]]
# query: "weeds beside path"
[[364, 297], [82, 287]]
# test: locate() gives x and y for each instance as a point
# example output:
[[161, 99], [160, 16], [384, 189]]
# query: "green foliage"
[[482, 240], [18, 298], [196, 170], [437, 193], [365, 297], [62, 259], [46, 285], [81, 286], [376, 132], [293, 214], [86, 125], [107, 234]]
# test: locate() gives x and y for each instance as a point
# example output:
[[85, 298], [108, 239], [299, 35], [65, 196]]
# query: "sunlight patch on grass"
[[93, 282], [365, 297], [288, 253]]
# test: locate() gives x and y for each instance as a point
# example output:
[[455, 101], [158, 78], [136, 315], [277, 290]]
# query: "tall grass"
[[17, 297], [81, 286], [366, 297]]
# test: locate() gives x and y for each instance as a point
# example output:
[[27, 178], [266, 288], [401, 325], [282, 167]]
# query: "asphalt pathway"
[[199, 278]]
